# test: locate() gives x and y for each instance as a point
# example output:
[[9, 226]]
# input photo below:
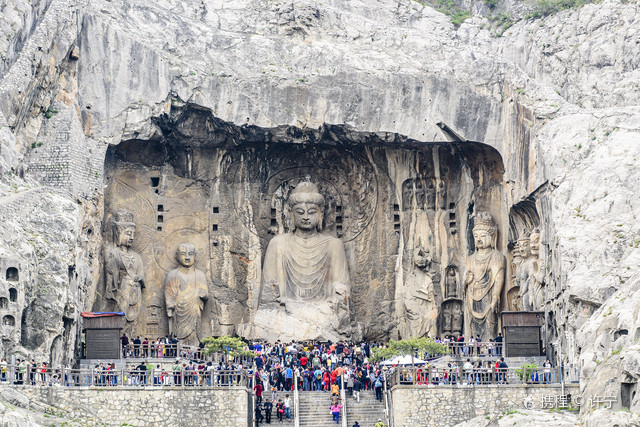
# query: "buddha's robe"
[[185, 293], [481, 305], [124, 281], [309, 269]]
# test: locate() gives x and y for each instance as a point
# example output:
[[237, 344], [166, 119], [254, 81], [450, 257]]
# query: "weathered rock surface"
[[524, 418], [556, 97]]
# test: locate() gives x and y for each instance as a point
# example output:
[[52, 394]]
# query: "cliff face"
[[556, 97]]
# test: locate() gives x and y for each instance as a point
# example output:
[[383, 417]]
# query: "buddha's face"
[[482, 239], [306, 216], [534, 244], [126, 236], [186, 255]]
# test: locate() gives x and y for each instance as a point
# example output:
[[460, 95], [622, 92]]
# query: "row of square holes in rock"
[[274, 222], [160, 218], [452, 218]]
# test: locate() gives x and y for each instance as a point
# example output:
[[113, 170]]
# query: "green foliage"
[[450, 8], [408, 347], [501, 23], [491, 3], [49, 113], [526, 370], [230, 346], [549, 7]]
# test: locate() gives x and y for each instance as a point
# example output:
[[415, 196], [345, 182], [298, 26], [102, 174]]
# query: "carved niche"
[[399, 213]]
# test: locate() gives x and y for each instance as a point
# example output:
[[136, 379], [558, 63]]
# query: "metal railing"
[[467, 349], [17, 375], [475, 376]]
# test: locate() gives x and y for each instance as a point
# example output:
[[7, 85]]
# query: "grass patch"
[[450, 8], [549, 7]]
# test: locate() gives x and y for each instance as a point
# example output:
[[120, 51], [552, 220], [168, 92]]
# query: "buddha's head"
[[524, 245], [307, 206], [124, 229], [484, 231], [534, 242], [186, 254]]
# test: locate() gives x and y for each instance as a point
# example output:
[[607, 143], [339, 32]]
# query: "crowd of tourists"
[[162, 347], [312, 366]]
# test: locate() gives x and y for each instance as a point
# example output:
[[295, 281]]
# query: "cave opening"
[[224, 188], [12, 274]]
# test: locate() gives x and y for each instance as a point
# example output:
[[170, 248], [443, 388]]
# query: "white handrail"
[[343, 395], [296, 401], [387, 411]]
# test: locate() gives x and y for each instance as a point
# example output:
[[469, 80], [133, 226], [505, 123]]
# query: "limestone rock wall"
[[555, 97]]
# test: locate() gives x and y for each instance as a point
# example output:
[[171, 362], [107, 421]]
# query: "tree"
[[229, 346], [409, 347]]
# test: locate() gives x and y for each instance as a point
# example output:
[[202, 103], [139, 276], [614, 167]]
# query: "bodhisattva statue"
[[420, 311], [524, 272], [537, 273], [185, 292], [484, 278], [305, 285], [124, 268], [513, 294]]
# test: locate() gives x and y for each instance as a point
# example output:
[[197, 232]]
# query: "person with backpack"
[[378, 387]]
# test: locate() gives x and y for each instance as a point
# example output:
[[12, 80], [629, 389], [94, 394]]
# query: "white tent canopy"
[[403, 360]]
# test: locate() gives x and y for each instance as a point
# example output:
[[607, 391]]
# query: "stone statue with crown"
[[483, 280], [124, 271], [304, 291]]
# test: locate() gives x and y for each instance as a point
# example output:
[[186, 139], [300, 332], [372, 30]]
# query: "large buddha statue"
[[185, 292], [484, 278], [304, 293], [124, 270]]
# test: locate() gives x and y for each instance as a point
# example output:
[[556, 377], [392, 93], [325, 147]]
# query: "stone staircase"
[[367, 412], [315, 411]]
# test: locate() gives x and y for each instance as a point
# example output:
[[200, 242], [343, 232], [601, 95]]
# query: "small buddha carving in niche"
[[123, 268], [185, 291], [451, 283]]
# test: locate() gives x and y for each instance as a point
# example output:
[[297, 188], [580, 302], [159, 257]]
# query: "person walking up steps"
[[335, 411]]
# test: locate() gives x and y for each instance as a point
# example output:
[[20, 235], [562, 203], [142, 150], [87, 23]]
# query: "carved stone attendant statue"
[[513, 294], [537, 273], [124, 269], [420, 311], [185, 292], [305, 285], [484, 278]]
